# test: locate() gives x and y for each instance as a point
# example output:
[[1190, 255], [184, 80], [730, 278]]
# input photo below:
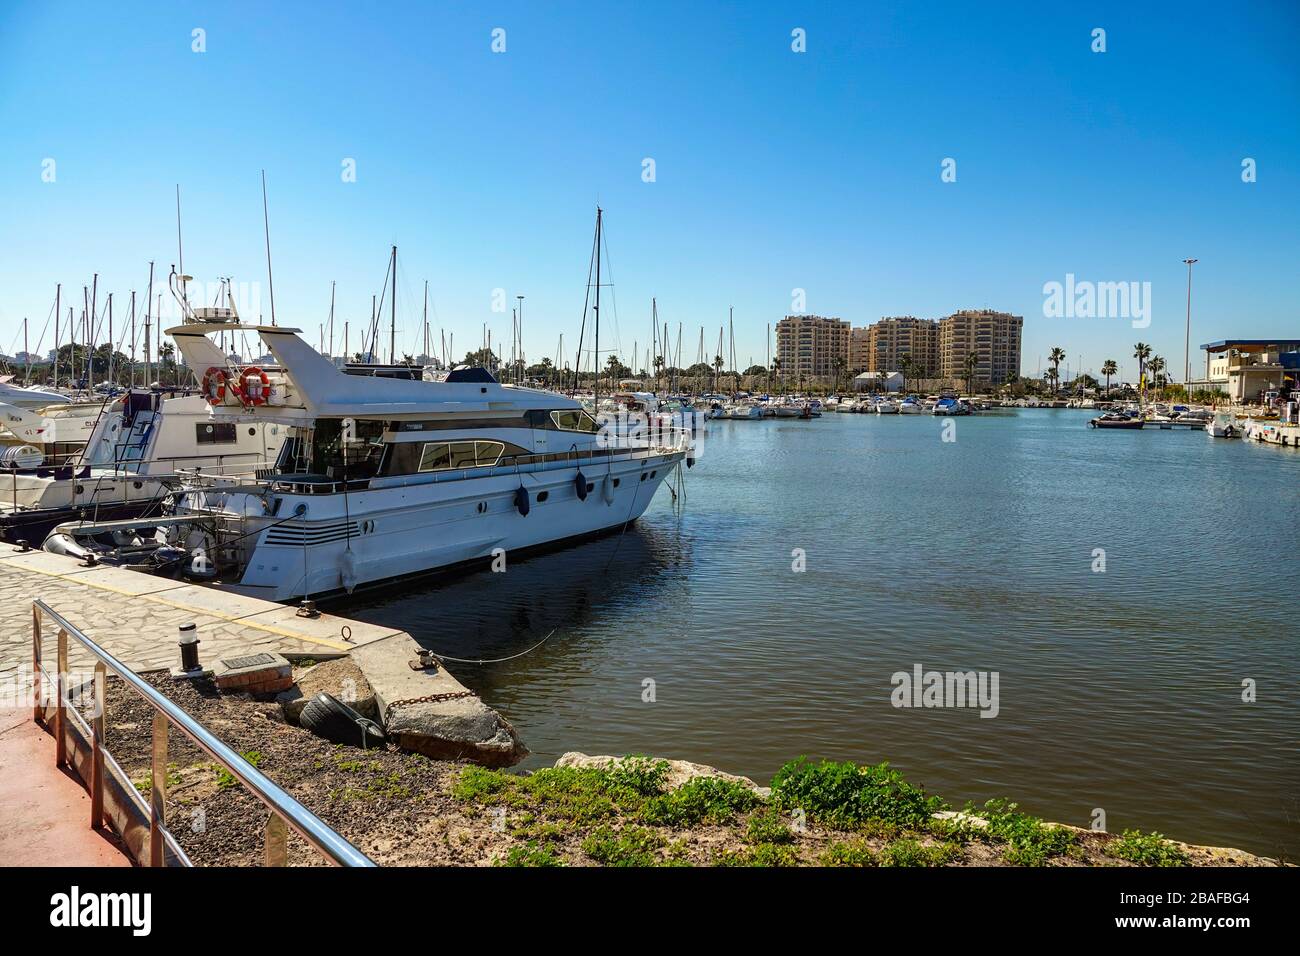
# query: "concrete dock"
[[136, 616]]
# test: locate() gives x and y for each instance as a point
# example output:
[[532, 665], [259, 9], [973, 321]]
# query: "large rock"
[[459, 726], [679, 771], [340, 678]]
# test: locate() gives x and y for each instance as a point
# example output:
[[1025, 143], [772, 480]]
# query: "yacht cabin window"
[[443, 456], [215, 433], [575, 420]]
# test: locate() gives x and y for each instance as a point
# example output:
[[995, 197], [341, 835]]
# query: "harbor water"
[[1127, 588]]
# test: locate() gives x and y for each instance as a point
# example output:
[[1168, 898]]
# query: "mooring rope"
[[494, 660]]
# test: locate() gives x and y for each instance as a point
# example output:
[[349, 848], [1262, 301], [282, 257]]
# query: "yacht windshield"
[[329, 449]]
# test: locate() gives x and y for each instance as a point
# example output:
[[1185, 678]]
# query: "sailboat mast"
[[392, 311], [731, 341], [266, 228], [148, 301], [58, 291], [596, 354], [91, 330], [331, 319], [132, 338]]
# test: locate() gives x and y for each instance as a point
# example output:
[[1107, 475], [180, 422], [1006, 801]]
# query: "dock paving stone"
[[135, 616]]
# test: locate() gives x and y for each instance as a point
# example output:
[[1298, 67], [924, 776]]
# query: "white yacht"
[[30, 396], [911, 406], [59, 432], [138, 449], [382, 478]]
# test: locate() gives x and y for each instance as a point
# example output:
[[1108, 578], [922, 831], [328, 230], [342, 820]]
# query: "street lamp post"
[[1187, 342]]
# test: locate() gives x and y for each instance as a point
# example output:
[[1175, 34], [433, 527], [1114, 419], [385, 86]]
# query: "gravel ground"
[[398, 808], [393, 806]]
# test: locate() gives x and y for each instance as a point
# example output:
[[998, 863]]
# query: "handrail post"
[[60, 713], [97, 750], [158, 792], [277, 840], [37, 712]]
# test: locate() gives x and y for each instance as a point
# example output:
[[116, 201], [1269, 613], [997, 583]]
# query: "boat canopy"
[[316, 388]]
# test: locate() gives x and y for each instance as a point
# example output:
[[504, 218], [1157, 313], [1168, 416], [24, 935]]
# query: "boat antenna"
[[266, 226], [180, 248], [176, 284]]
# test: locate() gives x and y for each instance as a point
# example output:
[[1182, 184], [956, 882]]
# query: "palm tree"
[[1141, 352], [972, 360], [776, 370], [167, 353], [1056, 357], [1108, 368], [840, 363], [1156, 366], [717, 370], [905, 366], [615, 369]]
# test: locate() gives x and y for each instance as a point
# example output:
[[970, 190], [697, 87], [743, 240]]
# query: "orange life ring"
[[214, 385], [255, 386]]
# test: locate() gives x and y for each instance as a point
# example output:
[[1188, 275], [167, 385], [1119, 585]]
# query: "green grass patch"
[[703, 799], [227, 779], [631, 846], [768, 826], [638, 774], [1029, 841], [764, 854], [578, 795], [957, 830], [909, 852], [531, 855], [846, 795], [1147, 849], [850, 854]]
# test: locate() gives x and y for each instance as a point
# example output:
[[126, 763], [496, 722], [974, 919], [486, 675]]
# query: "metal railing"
[[286, 812]]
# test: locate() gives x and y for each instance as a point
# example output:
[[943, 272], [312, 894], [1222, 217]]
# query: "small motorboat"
[[1115, 420], [910, 406], [1223, 425]]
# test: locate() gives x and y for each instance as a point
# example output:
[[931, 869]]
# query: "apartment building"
[[992, 337], [860, 349], [891, 340], [809, 345]]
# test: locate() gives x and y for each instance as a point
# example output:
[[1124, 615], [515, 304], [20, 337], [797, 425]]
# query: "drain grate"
[[253, 660]]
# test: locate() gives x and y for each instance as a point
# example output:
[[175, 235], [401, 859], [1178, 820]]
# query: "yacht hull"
[[345, 542]]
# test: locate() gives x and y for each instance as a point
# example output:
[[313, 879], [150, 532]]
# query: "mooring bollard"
[[189, 645]]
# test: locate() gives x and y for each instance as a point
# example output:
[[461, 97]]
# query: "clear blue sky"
[[775, 170]]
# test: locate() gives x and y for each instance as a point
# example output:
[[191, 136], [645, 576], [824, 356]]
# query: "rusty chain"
[[430, 699]]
